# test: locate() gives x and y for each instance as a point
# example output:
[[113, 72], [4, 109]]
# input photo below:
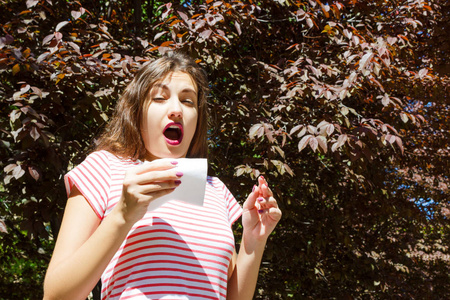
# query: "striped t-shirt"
[[178, 251]]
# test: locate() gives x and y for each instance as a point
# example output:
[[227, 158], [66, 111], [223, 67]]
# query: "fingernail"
[[179, 174], [260, 199], [265, 185], [254, 188], [174, 162], [261, 211], [177, 182], [262, 177]]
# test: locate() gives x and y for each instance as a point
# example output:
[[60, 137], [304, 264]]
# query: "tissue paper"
[[193, 182]]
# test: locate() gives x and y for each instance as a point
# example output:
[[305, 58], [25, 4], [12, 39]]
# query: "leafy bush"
[[342, 105]]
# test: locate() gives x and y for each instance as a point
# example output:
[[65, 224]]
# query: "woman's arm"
[[83, 250], [85, 245], [260, 216]]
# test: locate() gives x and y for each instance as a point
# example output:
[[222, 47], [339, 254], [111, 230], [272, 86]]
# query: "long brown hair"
[[122, 135]]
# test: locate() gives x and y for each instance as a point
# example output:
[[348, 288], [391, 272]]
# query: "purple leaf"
[[34, 133], [238, 28], [34, 173]]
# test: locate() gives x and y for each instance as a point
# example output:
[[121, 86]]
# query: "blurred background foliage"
[[342, 105]]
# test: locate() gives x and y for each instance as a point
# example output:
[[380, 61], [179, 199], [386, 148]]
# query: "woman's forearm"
[[73, 277], [242, 283]]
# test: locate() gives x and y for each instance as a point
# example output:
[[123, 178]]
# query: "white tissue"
[[193, 182]]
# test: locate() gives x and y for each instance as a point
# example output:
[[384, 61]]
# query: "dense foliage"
[[342, 105]]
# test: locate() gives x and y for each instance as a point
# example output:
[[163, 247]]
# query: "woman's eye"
[[158, 99], [188, 101]]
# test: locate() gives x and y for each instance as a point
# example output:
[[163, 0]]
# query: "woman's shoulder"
[[105, 155], [107, 162]]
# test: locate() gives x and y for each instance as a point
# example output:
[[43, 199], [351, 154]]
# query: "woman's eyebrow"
[[189, 90], [165, 87], [160, 85]]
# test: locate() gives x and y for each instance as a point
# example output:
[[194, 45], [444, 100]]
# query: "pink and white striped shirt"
[[178, 251]]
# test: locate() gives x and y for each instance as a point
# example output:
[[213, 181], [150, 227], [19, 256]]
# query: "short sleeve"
[[233, 207], [92, 178]]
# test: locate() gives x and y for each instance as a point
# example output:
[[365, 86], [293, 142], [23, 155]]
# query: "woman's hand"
[[261, 213], [259, 218], [143, 184]]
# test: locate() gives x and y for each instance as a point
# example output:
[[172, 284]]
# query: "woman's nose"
[[175, 114], [175, 110]]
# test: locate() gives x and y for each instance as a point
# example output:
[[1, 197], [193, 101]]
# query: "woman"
[[178, 251]]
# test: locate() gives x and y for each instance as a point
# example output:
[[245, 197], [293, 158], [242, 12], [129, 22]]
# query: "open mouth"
[[173, 133]]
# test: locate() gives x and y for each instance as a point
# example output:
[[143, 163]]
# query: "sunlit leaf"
[[18, 172], [34, 173], [304, 142], [289, 170], [313, 143], [256, 130], [399, 142], [158, 35], [75, 14], [365, 60], [16, 69], [295, 129], [9, 168], [238, 27], [183, 16], [3, 227], [61, 25], [32, 3], [385, 100], [59, 77], [322, 143], [166, 44], [279, 150], [404, 117], [205, 34]]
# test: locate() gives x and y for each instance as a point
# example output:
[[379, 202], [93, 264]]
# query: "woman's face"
[[169, 119]]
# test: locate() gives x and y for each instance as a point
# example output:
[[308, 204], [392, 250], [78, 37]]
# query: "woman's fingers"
[[159, 176], [156, 165], [157, 194], [267, 203], [269, 207], [149, 181], [159, 186], [249, 204], [153, 175], [261, 181], [265, 199], [158, 170], [264, 187], [273, 212]]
